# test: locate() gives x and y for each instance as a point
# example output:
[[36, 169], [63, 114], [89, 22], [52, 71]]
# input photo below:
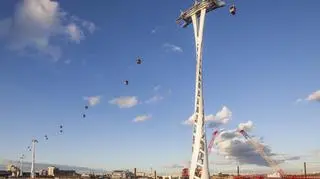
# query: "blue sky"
[[257, 63]]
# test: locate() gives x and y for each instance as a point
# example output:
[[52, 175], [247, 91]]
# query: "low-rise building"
[[4, 173], [121, 174], [141, 174], [54, 171]]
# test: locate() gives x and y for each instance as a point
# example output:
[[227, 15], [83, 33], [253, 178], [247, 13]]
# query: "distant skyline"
[[40, 166], [261, 73]]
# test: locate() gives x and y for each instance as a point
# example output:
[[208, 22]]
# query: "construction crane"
[[214, 135], [260, 150]]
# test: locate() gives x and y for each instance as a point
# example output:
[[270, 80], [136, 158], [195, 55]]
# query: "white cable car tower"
[[199, 168], [34, 141], [21, 165]]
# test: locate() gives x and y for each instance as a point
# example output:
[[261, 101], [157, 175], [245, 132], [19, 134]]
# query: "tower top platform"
[[185, 17]]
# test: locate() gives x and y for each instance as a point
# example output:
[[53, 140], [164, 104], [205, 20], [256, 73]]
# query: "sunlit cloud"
[[142, 118], [315, 96], [125, 101], [221, 117], [93, 100], [35, 24]]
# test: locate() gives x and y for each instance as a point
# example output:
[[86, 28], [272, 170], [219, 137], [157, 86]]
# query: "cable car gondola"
[[233, 10], [139, 61]]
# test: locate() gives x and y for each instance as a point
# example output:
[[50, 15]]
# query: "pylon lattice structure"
[[199, 167]]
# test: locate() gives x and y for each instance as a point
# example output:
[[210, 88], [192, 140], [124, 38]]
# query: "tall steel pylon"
[[21, 165], [199, 160], [199, 168], [34, 141]]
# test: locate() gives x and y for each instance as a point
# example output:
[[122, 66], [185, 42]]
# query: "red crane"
[[185, 173], [214, 135], [260, 150]]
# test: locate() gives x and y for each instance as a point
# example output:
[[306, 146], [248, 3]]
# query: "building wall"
[[141, 174], [51, 171], [221, 177]]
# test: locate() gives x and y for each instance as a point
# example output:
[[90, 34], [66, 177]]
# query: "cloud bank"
[[35, 23], [213, 121], [232, 145]]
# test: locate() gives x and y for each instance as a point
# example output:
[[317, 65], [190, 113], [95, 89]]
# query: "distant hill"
[[39, 166]]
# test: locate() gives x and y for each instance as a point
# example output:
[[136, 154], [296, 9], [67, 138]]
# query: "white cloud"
[[315, 96], [154, 99], [125, 101], [189, 121], [248, 126], [142, 118], [93, 100], [74, 32], [227, 134], [172, 47], [233, 145], [222, 117], [89, 25], [35, 23]]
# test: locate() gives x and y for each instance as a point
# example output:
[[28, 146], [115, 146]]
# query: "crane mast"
[[260, 150]]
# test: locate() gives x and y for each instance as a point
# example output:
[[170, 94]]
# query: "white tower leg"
[[21, 166], [199, 168], [33, 157]]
